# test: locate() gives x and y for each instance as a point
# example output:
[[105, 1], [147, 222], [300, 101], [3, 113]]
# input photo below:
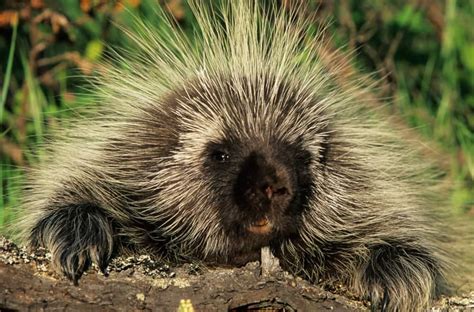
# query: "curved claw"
[[385, 301], [73, 267], [104, 271]]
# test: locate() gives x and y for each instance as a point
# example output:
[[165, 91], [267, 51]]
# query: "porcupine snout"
[[263, 191]]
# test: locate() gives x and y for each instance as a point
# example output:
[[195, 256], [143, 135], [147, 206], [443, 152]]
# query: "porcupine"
[[248, 137]]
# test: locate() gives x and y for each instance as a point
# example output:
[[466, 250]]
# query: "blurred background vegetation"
[[422, 49]]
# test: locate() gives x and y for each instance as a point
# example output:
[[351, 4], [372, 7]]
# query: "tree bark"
[[27, 282]]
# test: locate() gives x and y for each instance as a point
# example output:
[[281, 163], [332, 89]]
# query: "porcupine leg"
[[76, 235], [399, 278]]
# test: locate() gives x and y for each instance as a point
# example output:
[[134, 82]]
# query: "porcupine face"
[[262, 187], [259, 178]]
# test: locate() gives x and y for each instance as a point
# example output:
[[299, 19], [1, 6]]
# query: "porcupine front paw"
[[76, 236], [399, 279]]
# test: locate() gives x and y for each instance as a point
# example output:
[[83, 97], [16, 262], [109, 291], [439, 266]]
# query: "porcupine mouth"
[[261, 226]]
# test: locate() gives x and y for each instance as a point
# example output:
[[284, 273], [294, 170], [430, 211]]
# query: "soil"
[[139, 283]]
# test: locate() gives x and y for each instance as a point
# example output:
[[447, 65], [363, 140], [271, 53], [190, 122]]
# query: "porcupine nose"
[[275, 190], [263, 183]]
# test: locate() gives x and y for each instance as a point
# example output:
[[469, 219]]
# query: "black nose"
[[262, 183]]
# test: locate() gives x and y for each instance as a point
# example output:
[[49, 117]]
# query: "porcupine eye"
[[220, 156]]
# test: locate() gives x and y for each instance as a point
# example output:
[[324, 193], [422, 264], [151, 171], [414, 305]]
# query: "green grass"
[[429, 69], [442, 106], [6, 176], [8, 72]]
